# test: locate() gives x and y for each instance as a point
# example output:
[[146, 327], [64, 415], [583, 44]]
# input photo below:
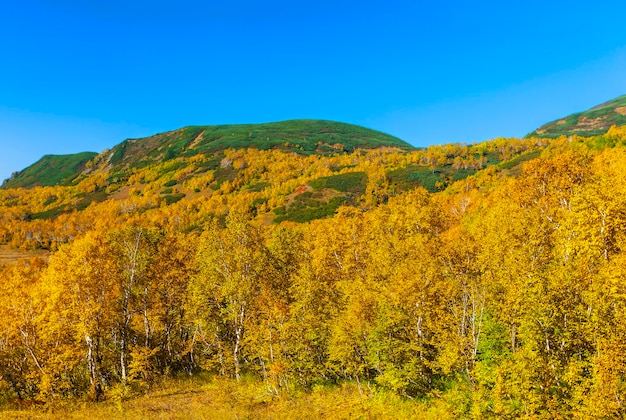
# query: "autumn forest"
[[472, 281]]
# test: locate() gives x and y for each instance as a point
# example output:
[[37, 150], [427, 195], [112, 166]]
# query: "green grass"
[[50, 170]]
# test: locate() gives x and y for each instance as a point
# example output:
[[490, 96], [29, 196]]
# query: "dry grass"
[[10, 255], [226, 399]]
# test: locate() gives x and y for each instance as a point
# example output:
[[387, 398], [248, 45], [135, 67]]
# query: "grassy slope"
[[302, 136], [50, 170], [593, 122]]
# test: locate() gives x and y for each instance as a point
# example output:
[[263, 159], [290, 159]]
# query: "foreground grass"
[[227, 399]]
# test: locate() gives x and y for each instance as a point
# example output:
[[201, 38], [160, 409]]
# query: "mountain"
[[300, 136], [593, 122], [50, 170]]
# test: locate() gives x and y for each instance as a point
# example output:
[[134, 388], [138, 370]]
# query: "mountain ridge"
[[592, 122], [50, 170], [301, 136]]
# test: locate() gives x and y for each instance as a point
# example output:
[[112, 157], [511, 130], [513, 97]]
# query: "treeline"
[[503, 295]]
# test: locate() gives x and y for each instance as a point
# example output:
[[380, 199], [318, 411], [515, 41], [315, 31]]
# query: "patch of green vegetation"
[[258, 201], [518, 160], [351, 182], [258, 186], [414, 176], [49, 214], [223, 174], [173, 166], [50, 200], [209, 164], [170, 183], [50, 170], [462, 174], [280, 211], [97, 197], [493, 158], [118, 178], [605, 141], [118, 153], [432, 179], [173, 198], [86, 201], [167, 191], [406, 178], [308, 209]]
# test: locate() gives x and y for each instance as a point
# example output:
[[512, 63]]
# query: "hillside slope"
[[50, 170], [593, 122], [456, 281], [301, 136]]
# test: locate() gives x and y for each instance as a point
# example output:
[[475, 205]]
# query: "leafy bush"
[[173, 198], [351, 182], [306, 213]]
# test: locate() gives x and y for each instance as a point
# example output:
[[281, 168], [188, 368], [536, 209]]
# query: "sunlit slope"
[[593, 122], [300, 136], [50, 170]]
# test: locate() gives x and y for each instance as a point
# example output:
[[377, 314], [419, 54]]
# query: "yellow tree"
[[231, 265], [81, 293], [133, 249], [22, 348]]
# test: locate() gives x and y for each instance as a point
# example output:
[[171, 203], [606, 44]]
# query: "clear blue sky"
[[79, 75]]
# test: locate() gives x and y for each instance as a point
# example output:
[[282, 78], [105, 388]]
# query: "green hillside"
[[301, 136], [50, 170], [593, 122]]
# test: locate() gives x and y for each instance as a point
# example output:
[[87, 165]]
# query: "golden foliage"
[[502, 296]]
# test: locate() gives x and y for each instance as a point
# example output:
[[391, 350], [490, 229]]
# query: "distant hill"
[[50, 170], [300, 136], [593, 122]]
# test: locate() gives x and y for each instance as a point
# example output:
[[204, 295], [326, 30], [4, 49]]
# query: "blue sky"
[[79, 75]]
